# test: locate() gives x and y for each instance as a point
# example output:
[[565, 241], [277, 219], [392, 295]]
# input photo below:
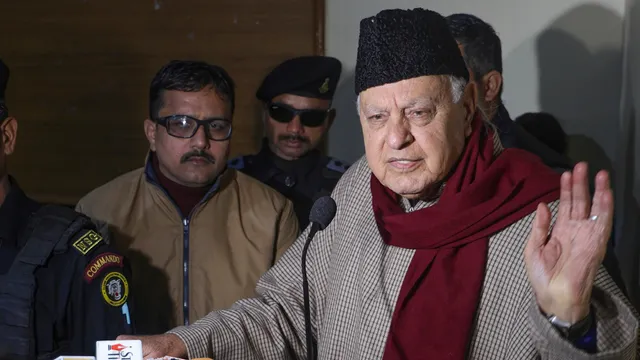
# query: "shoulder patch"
[[101, 262], [87, 242], [236, 163], [337, 165], [115, 289]]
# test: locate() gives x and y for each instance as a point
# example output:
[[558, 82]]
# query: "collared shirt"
[[73, 307]]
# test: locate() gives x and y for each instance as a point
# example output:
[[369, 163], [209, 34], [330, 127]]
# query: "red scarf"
[[435, 310]]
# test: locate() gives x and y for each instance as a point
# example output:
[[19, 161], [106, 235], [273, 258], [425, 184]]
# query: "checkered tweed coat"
[[355, 279]]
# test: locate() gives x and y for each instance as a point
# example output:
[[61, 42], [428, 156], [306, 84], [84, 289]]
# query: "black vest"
[[48, 232]]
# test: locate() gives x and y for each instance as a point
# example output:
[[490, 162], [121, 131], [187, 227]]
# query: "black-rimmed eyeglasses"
[[185, 127]]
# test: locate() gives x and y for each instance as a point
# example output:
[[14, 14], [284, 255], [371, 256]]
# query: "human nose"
[[398, 133], [295, 125], [200, 140]]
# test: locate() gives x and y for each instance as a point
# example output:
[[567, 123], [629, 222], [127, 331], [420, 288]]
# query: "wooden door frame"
[[319, 24], [318, 46]]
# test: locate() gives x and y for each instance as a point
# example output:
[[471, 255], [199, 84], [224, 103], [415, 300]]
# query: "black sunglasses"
[[283, 113], [185, 127]]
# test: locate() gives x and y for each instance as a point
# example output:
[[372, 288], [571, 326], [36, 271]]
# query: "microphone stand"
[[311, 350]]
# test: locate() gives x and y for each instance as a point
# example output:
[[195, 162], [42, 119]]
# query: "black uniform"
[[302, 181], [314, 175], [62, 288]]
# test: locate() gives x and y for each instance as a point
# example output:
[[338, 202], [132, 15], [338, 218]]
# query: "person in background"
[[482, 51], [297, 97], [444, 245], [62, 287], [199, 235], [546, 128]]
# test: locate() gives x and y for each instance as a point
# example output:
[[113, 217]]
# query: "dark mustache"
[[186, 157], [293, 137]]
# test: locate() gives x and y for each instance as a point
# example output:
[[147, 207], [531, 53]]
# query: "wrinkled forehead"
[[421, 91], [201, 104]]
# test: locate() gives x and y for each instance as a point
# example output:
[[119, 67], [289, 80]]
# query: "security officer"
[[62, 288], [297, 97]]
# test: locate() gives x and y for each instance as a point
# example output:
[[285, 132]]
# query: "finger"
[[127, 337], [564, 208], [603, 186], [539, 232], [603, 203], [580, 197]]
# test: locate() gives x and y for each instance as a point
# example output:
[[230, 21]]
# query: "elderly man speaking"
[[442, 246]]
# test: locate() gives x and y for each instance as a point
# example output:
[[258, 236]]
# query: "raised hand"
[[562, 266]]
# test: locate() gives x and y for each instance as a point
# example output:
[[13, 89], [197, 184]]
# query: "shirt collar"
[[506, 127], [502, 117]]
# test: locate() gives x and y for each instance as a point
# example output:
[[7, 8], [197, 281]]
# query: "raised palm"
[[562, 264]]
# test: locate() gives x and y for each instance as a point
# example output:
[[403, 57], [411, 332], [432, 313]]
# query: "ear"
[[492, 83], [9, 129], [469, 104], [150, 132], [330, 117]]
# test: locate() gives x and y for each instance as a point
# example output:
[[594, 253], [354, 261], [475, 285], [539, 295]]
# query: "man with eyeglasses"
[[297, 97], [199, 234], [62, 287]]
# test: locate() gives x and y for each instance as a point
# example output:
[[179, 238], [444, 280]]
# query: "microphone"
[[322, 212]]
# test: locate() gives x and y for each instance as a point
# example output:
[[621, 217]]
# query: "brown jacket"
[[214, 258]]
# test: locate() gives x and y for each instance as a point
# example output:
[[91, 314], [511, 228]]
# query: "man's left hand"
[[562, 266]]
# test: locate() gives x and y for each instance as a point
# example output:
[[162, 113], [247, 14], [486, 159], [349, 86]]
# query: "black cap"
[[398, 44], [4, 79], [308, 76]]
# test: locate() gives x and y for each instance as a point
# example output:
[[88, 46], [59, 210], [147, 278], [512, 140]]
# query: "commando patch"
[[87, 242], [115, 289], [102, 261]]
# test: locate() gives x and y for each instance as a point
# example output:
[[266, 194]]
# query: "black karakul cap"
[[4, 79], [399, 44], [308, 76]]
